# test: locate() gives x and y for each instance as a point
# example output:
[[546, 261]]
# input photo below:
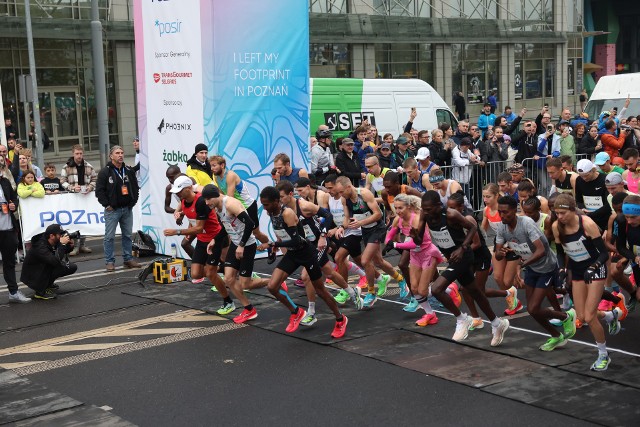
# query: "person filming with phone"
[[548, 147]]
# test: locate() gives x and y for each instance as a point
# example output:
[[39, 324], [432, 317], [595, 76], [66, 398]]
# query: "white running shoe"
[[462, 328], [498, 333]]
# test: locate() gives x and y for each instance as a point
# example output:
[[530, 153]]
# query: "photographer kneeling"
[[47, 260]]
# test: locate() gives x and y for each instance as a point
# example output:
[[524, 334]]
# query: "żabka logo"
[[171, 78], [169, 27]]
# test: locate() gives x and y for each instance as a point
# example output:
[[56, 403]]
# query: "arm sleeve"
[[561, 255], [391, 234], [407, 244], [604, 253], [248, 226], [295, 239], [621, 239]]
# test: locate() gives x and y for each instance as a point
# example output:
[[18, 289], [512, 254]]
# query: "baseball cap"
[[54, 229], [613, 178], [402, 140], [180, 184], [385, 145], [585, 166], [601, 159], [423, 153], [209, 191], [615, 109], [348, 141], [563, 122], [136, 138]]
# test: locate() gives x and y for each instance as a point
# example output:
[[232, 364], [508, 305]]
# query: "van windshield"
[[597, 106]]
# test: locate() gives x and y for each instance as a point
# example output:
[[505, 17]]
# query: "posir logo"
[[348, 121], [167, 28], [171, 78], [174, 157], [163, 127]]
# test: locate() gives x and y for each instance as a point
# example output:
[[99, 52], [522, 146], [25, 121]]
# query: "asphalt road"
[[149, 362]]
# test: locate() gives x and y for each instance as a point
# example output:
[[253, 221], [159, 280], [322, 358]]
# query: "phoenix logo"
[[161, 128]]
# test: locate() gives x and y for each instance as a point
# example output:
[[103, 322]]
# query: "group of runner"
[[562, 244]]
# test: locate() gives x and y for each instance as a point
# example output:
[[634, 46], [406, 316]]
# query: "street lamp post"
[[34, 84], [100, 86]]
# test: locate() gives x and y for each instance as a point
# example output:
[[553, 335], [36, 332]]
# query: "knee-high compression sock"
[[354, 269], [424, 303], [282, 292]]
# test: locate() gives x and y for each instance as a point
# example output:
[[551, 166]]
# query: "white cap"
[[181, 183], [585, 166], [423, 153]]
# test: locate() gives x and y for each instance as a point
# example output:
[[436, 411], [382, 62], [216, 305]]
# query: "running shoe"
[[512, 300], [404, 289], [341, 297], [299, 283], [555, 322], [569, 325], [226, 308], [19, 298], [553, 342], [498, 333], [632, 303], [362, 283], [340, 328], [255, 276], [512, 312], [628, 270], [295, 319], [455, 294], [601, 363], [622, 306], [579, 324], [614, 325], [369, 300], [382, 284], [47, 294], [328, 282], [462, 328], [412, 306], [309, 320], [427, 319], [605, 305], [357, 298], [567, 303], [476, 323], [200, 280], [246, 315]]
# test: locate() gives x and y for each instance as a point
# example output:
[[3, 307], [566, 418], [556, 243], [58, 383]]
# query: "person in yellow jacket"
[[29, 187], [198, 166]]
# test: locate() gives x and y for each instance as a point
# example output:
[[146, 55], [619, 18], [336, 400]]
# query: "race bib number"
[[376, 184], [577, 251], [592, 203], [308, 233], [442, 239], [362, 217], [338, 217], [521, 249], [282, 234]]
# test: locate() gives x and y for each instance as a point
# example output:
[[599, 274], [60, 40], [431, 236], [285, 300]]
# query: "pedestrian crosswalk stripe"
[[74, 347], [155, 331]]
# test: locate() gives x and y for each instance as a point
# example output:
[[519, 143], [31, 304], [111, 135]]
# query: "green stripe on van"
[[329, 97]]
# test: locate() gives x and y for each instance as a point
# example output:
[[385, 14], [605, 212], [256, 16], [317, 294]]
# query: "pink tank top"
[[632, 184], [405, 229]]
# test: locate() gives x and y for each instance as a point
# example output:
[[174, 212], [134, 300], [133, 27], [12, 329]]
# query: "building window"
[[404, 60], [328, 6], [420, 8], [329, 60], [475, 70], [534, 71]]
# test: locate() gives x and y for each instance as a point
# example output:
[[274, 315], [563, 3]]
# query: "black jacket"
[[587, 145], [109, 184], [12, 196], [439, 155], [41, 260], [397, 158], [457, 137], [349, 167], [527, 145]]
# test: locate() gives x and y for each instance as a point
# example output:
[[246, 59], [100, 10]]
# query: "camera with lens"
[[72, 235], [626, 127]]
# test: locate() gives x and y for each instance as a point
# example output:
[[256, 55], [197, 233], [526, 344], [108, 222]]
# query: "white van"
[[342, 104], [612, 91]]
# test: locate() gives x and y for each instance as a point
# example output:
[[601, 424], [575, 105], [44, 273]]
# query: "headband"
[[631, 209], [563, 207], [437, 178]]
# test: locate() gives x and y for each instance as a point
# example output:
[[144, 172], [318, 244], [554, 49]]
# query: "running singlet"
[[580, 249], [447, 194], [198, 210], [310, 225], [280, 229], [405, 229], [565, 186], [391, 198], [428, 168], [337, 210], [240, 193], [234, 227], [293, 177], [632, 183], [446, 238], [493, 220], [376, 182], [418, 184], [361, 211]]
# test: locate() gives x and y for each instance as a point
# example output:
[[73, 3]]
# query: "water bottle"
[[174, 251]]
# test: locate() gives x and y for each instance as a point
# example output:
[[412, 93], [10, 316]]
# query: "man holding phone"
[[548, 147], [543, 120]]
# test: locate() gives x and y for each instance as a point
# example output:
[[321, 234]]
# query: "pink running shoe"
[[362, 283], [196, 281], [455, 294], [605, 305], [284, 286], [427, 319], [299, 283]]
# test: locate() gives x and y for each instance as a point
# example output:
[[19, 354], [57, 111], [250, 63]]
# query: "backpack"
[[143, 245]]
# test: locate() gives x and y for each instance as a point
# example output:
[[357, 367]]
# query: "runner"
[[591, 193], [447, 228], [300, 252], [417, 178], [314, 220], [618, 261], [242, 251], [481, 261], [527, 190], [628, 244], [375, 175], [579, 237], [561, 180], [425, 257], [521, 235], [203, 223], [632, 174], [445, 187], [229, 182], [172, 173], [363, 212]]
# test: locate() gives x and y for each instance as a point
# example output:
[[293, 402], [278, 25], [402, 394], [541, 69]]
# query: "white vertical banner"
[[3, 137], [169, 68]]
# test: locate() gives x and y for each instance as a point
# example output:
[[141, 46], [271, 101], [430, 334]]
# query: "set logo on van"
[[347, 121]]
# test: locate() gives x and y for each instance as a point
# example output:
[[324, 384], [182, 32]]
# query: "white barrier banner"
[[3, 137], [74, 212]]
